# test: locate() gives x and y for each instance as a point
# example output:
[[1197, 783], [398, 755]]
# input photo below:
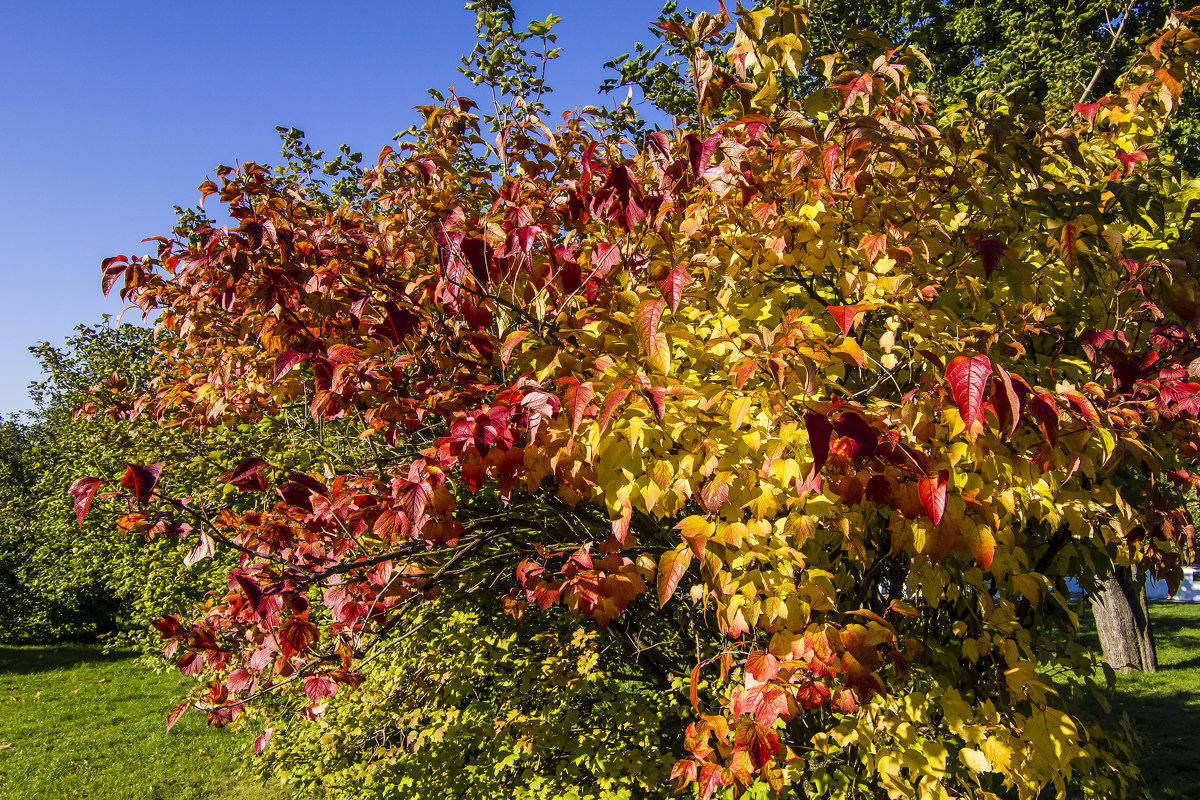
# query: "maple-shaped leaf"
[[712, 777], [845, 317], [762, 666], [760, 742], [671, 567], [83, 490], [968, 377], [933, 495], [140, 480], [873, 245], [1089, 110], [685, 771]]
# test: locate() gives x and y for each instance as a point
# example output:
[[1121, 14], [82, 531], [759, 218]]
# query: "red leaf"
[[576, 400], [933, 495], [830, 159], [345, 354], [175, 713], [1088, 111], [286, 360], [604, 258], [140, 480], [844, 316], [1082, 405], [673, 284], [1011, 399], [246, 475], [762, 666], [820, 430], [262, 741], [318, 687], [863, 439], [1047, 416], [968, 378], [83, 490], [762, 743], [990, 251], [610, 404]]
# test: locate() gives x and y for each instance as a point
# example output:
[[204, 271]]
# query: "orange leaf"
[[671, 566]]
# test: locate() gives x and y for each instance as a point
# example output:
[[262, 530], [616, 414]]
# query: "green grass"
[[1165, 705], [78, 723]]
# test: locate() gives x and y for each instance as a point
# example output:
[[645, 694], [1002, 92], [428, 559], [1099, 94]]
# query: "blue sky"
[[112, 112]]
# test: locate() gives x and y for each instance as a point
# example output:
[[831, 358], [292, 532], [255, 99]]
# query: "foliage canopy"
[[803, 411]]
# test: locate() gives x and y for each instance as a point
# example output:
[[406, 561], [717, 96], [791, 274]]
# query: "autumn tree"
[[794, 419]]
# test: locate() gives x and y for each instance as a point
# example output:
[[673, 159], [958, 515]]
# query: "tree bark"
[[1123, 622]]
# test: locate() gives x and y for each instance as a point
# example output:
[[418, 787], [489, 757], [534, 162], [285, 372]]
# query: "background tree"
[[1054, 54], [811, 406]]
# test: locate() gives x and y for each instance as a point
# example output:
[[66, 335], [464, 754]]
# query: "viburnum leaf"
[[932, 490], [968, 377], [671, 567], [83, 490]]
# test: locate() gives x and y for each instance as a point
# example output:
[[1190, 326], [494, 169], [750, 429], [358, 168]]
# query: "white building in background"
[[1157, 591], [1189, 588]]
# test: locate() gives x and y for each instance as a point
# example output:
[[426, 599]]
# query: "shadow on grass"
[[29, 660], [1167, 723]]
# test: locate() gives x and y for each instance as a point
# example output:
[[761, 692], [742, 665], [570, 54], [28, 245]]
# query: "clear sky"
[[112, 111]]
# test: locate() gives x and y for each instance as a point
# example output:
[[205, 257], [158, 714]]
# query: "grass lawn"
[[1166, 705], [78, 723]]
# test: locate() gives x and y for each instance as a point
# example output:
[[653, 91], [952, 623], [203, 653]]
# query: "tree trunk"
[[1123, 622]]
